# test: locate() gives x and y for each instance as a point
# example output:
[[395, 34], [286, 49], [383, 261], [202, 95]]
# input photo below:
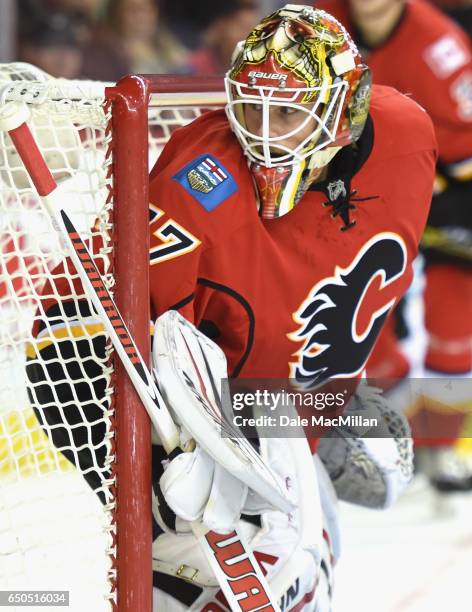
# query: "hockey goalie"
[[282, 234]]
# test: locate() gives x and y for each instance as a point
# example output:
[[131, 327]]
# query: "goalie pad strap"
[[184, 572]]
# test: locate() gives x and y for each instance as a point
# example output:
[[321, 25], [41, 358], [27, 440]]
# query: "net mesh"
[[55, 531]]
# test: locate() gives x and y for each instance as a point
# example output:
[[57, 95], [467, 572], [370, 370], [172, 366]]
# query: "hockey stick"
[[248, 583]]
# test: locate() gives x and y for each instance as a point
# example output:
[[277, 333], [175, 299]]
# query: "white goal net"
[[56, 531]]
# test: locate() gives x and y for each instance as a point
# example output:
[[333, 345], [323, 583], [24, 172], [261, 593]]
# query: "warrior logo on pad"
[[207, 181]]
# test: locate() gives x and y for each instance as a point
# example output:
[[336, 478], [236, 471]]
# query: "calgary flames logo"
[[328, 317]]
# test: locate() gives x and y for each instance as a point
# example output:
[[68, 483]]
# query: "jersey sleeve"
[[196, 193], [433, 65], [191, 199], [176, 245]]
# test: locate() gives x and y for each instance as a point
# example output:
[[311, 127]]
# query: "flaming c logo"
[[329, 318]]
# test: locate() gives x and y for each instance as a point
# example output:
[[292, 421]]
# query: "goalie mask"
[[297, 92]]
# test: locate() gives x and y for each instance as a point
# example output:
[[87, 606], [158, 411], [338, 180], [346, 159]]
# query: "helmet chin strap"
[[280, 188]]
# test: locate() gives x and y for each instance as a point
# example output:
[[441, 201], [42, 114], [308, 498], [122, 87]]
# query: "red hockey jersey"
[[438, 73], [293, 296]]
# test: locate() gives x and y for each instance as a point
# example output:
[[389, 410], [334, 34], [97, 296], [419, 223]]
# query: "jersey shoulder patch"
[[207, 180]]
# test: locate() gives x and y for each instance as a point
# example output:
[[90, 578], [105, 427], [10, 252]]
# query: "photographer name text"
[[315, 420]]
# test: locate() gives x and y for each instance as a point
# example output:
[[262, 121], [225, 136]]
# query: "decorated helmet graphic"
[[303, 61]]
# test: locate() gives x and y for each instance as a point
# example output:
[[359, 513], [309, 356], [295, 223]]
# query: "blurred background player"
[[285, 202], [412, 46]]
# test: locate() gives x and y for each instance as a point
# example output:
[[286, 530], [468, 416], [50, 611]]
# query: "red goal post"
[[99, 142], [129, 101]]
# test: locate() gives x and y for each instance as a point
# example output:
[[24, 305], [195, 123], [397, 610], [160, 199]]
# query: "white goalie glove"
[[198, 489], [372, 467], [223, 476]]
